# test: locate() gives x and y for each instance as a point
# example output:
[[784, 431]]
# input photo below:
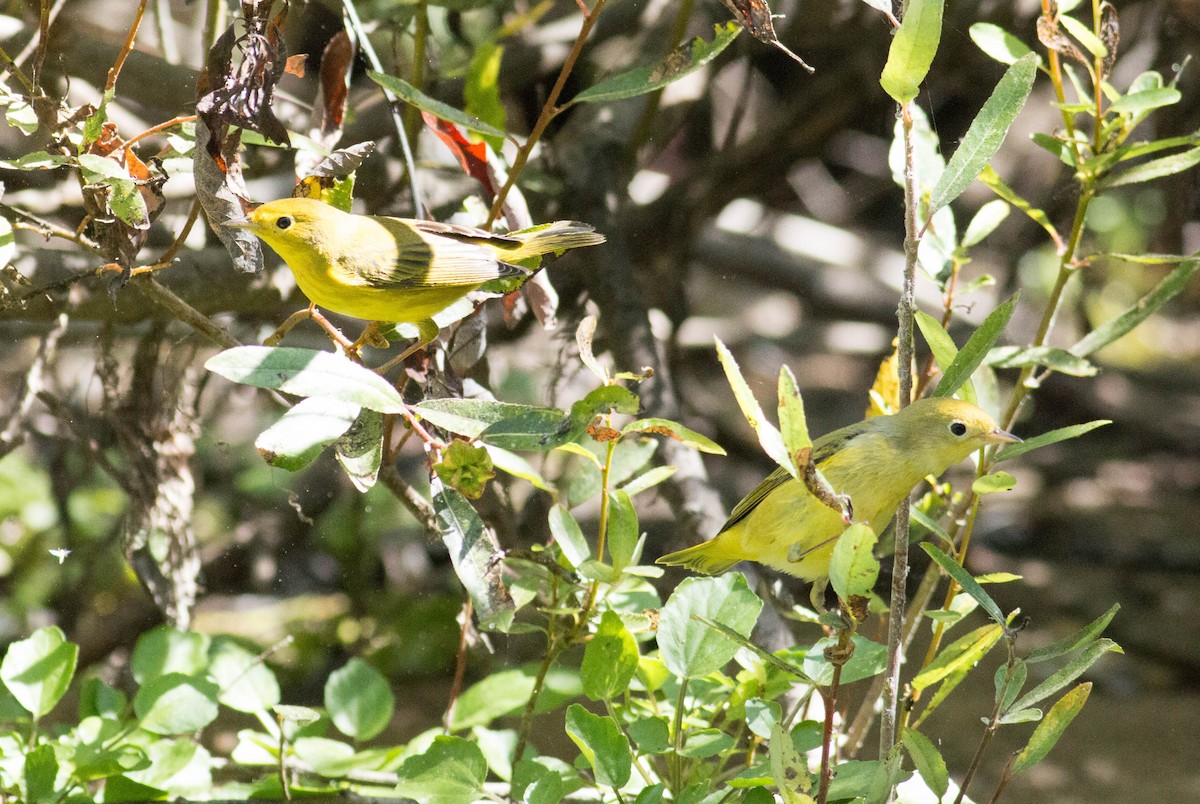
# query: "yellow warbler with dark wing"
[[876, 462], [395, 270]]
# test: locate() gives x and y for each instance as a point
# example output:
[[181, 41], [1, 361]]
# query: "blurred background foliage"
[[751, 200]]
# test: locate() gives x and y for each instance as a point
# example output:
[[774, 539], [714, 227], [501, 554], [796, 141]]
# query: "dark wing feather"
[[420, 254]]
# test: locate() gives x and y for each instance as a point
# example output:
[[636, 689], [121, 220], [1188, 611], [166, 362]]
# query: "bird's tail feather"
[[554, 237], [710, 558]]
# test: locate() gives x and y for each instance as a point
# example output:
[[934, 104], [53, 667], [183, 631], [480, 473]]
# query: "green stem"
[[677, 739], [412, 115], [602, 536]]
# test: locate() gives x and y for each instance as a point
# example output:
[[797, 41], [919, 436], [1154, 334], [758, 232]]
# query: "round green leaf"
[[176, 704], [247, 684], [38, 670], [689, 647], [359, 701]]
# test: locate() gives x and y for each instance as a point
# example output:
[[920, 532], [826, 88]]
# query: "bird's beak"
[[238, 223], [999, 436]]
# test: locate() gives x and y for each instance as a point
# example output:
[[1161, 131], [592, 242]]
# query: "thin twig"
[[549, 110], [891, 684], [11, 436], [115, 72], [174, 121], [183, 311], [460, 663]]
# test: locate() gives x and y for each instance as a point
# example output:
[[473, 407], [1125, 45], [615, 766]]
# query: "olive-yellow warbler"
[[876, 462], [395, 270]]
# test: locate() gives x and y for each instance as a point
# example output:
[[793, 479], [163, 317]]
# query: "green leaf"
[[165, 650], [986, 133], [38, 160], [1059, 360], [867, 661], [482, 88], [793, 424], [1075, 667], [176, 704], [985, 221], [680, 62], [1141, 102], [853, 567], [648, 480], [912, 50], [1084, 34], [359, 450], [1172, 284], [358, 699], [38, 670], [1045, 439], [304, 431], [602, 744], [993, 181], [768, 436], [535, 430], [666, 427], [997, 42], [246, 684], [762, 716], [1076, 640], [623, 529], [1009, 681], [494, 696], [474, 554], [305, 372], [470, 417], [976, 349], [8, 243], [610, 659], [960, 655], [127, 203], [1048, 732], [1154, 169], [651, 735], [451, 771], [703, 743], [943, 348], [964, 580], [407, 92], [991, 483], [513, 464], [569, 536], [692, 649], [927, 760], [41, 769]]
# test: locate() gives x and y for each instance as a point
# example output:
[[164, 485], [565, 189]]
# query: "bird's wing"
[[417, 254], [823, 449]]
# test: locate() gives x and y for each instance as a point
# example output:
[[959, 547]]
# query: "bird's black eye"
[[958, 428], [283, 222]]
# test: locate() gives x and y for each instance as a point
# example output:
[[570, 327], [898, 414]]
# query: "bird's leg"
[[370, 336], [292, 320]]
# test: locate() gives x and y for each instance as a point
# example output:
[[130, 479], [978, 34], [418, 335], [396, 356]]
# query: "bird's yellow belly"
[[392, 305]]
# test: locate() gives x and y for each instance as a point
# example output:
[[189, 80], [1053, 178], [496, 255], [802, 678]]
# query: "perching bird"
[[876, 462], [395, 270]]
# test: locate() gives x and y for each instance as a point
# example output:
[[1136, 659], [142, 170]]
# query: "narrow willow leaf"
[[1154, 169], [1073, 669], [1084, 34], [1052, 437], [793, 424], [997, 42], [306, 372], [985, 221], [1144, 101], [987, 132], [768, 436], [767, 657], [912, 50], [959, 656], [513, 464], [943, 348], [927, 760], [968, 584], [569, 535], [1172, 284], [680, 62], [996, 184], [853, 567], [1048, 732], [1059, 360], [675, 430], [648, 480], [1009, 680], [1076, 640], [416, 97], [994, 482], [976, 348], [929, 523]]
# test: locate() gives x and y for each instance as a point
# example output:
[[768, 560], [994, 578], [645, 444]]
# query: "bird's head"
[[290, 222], [945, 431]]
